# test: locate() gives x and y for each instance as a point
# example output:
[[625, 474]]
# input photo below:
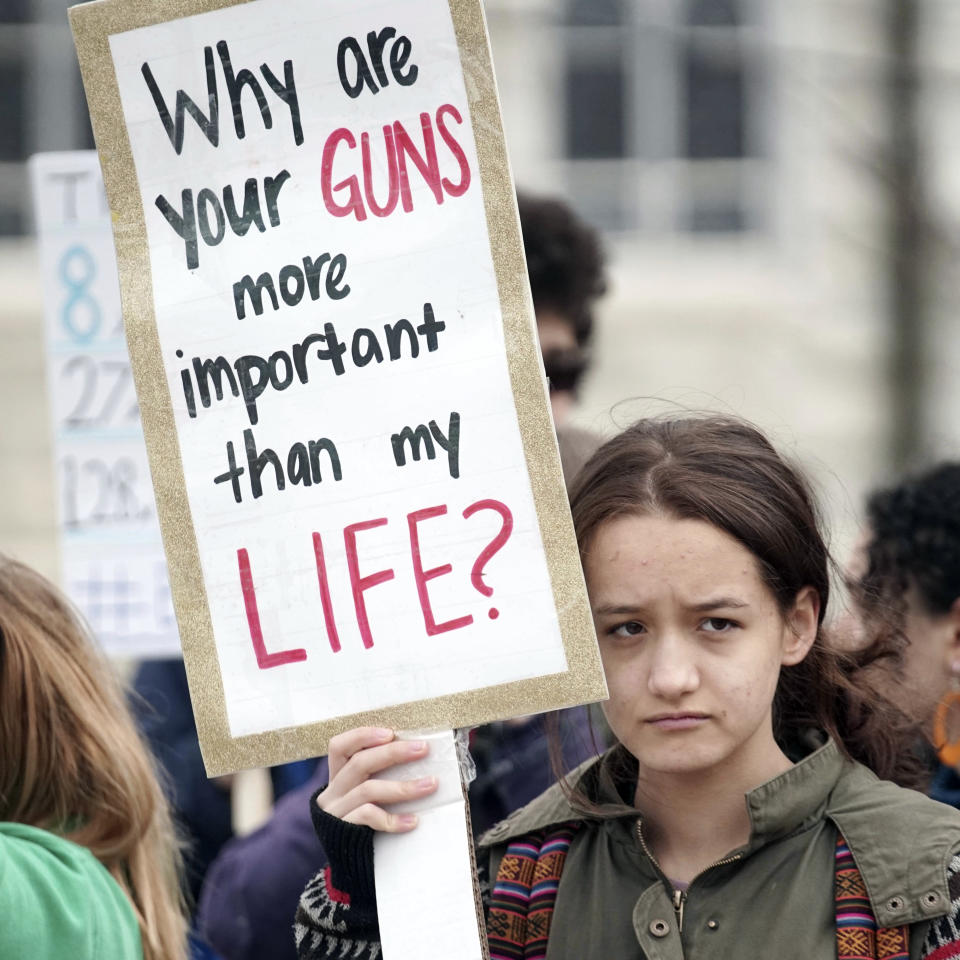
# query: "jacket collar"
[[795, 798], [901, 841], [777, 807], [552, 806]]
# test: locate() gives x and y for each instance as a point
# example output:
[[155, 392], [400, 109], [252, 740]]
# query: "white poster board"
[[112, 561], [335, 355]]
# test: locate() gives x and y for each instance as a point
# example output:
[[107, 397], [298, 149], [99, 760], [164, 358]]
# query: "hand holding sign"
[[355, 795]]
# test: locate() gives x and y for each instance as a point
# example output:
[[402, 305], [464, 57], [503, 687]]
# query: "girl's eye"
[[717, 625], [631, 628]]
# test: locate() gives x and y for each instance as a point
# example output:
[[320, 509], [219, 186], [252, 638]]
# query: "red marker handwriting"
[[357, 583], [506, 528], [361, 583], [264, 660], [422, 576]]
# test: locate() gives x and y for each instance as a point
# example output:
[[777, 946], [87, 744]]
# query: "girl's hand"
[[351, 795]]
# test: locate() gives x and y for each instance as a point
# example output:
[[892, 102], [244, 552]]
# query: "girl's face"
[[692, 643]]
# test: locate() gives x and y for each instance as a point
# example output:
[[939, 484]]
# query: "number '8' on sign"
[[81, 314]]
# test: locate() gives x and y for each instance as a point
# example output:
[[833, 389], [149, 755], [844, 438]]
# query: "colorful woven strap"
[[858, 937], [525, 892]]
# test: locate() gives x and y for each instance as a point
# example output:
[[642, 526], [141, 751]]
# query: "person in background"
[[89, 863], [251, 892], [905, 583], [202, 807], [565, 264]]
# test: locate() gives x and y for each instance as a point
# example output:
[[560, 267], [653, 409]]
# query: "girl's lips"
[[678, 721]]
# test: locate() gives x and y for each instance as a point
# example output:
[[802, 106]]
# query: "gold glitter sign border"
[[92, 25]]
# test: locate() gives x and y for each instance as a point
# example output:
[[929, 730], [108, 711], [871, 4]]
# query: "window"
[[15, 11], [661, 112], [41, 98], [12, 107], [596, 74]]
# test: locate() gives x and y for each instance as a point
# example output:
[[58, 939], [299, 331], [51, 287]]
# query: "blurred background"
[[775, 183]]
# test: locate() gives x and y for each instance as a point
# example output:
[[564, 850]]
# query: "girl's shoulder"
[[57, 899], [551, 807], [904, 844], [44, 856]]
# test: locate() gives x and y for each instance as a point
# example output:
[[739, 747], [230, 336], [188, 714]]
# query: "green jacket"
[[57, 901], [776, 896]]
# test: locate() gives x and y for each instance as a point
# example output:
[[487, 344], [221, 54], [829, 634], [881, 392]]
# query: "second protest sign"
[[333, 343]]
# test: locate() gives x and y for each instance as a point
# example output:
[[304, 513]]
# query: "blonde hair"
[[72, 761]]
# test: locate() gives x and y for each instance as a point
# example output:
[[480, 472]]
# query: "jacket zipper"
[[679, 899], [679, 896]]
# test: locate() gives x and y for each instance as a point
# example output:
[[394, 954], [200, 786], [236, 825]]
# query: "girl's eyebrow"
[[715, 603], [609, 609]]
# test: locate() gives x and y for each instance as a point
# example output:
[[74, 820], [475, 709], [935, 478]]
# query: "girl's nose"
[[673, 671]]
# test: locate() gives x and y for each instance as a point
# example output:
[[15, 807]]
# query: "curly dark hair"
[[564, 261], [914, 541]]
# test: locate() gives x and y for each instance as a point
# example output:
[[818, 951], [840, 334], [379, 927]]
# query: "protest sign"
[[111, 555], [334, 349]]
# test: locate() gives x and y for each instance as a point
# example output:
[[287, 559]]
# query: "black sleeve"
[[337, 915]]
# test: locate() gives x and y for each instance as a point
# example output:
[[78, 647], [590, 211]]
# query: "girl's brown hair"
[[71, 760], [725, 472]]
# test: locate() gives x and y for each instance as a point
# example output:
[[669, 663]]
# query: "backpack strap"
[[525, 893], [858, 937]]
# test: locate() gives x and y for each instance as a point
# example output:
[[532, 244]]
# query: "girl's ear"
[[800, 627]]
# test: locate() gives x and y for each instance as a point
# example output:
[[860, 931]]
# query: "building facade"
[[733, 153]]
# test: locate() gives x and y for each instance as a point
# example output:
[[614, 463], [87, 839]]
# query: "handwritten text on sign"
[[331, 332], [111, 554]]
